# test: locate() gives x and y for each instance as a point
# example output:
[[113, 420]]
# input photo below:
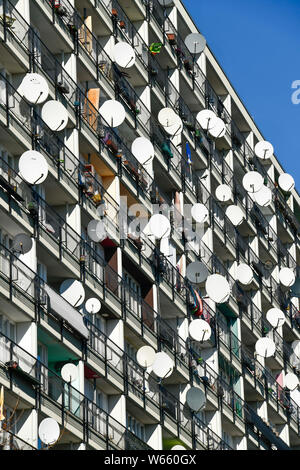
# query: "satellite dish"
[[291, 381], [33, 167], [165, 3], [96, 230], [69, 372], [200, 213], [34, 88], [195, 43], [286, 182], [22, 243], [72, 291], [196, 399], [296, 347], [178, 447], [93, 305], [275, 317], [244, 274], [163, 365], [217, 288], [235, 215], [124, 54], [219, 128], [49, 431], [263, 197], [265, 347], [146, 356], [167, 117], [287, 277], [176, 128], [295, 291], [160, 226], [143, 150], [253, 181], [199, 330], [196, 272], [264, 150], [113, 113], [206, 119], [55, 115], [223, 193]]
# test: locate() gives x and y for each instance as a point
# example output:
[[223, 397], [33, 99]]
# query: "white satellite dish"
[[69, 372], [143, 150], [235, 214], [178, 447], [263, 197], [97, 230], [49, 431], [93, 305], [146, 356], [113, 113], [163, 365], [160, 226], [55, 115], [165, 3], [275, 317], [219, 128], [72, 291], [223, 193], [195, 43], [296, 347], [244, 274], [206, 119], [264, 150], [200, 213], [286, 182], [167, 117], [217, 288], [33, 167], [195, 399], [253, 181], [124, 54], [176, 128], [21, 243], [34, 88], [199, 330], [291, 381], [265, 347], [287, 277], [196, 272]]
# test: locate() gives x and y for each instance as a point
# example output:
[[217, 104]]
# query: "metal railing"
[[56, 393]]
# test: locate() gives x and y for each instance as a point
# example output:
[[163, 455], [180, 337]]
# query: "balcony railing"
[[62, 397]]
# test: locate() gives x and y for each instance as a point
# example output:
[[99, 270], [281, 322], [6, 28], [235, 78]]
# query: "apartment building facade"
[[146, 297]]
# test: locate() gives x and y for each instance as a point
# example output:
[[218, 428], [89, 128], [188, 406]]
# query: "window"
[[136, 427], [132, 294], [42, 371], [9, 330], [135, 374]]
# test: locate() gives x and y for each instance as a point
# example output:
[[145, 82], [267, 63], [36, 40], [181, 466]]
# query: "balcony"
[[70, 408], [10, 441]]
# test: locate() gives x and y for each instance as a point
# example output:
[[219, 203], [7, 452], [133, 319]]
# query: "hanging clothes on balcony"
[[197, 304]]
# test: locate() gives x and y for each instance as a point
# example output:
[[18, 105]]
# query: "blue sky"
[[257, 43]]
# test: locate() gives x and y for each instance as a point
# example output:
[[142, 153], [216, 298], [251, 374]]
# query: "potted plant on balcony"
[[32, 207]]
